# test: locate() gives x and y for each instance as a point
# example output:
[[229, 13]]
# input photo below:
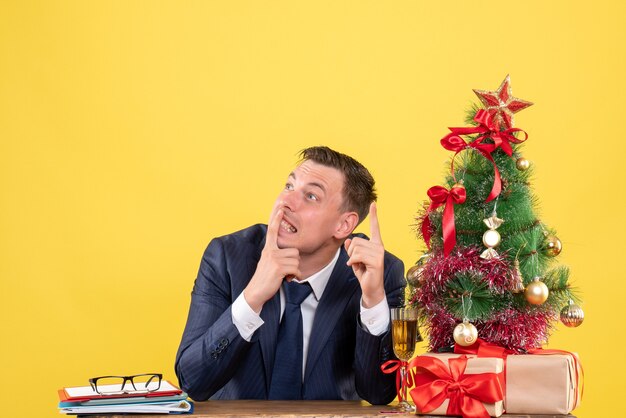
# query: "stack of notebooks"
[[168, 399]]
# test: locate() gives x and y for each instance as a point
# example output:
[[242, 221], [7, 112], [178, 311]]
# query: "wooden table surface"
[[305, 409]]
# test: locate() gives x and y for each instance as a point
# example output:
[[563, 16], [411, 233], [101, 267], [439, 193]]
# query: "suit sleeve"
[[211, 346], [371, 351]]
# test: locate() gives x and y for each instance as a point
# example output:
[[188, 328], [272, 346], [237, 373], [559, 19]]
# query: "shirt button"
[[250, 326], [371, 322]]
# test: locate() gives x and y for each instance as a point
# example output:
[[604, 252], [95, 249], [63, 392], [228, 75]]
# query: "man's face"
[[311, 200]]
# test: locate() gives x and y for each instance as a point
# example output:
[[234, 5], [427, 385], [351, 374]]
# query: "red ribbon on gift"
[[482, 348], [580, 376], [396, 366], [487, 128], [441, 196], [434, 383]]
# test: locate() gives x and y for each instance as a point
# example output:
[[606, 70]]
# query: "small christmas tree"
[[489, 271]]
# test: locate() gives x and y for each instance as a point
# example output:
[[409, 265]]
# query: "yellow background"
[[133, 132]]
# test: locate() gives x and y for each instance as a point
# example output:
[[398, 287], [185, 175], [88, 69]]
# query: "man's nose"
[[288, 201]]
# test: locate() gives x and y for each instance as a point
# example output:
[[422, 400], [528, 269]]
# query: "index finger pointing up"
[[271, 239], [374, 227]]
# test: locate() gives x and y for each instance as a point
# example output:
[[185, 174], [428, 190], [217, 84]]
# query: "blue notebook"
[[150, 407]]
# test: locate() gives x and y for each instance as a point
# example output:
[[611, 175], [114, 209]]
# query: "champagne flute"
[[405, 335]]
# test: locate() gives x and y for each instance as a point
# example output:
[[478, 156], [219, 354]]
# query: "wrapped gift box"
[[475, 365], [542, 384]]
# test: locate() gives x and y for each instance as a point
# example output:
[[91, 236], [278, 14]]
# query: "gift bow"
[[441, 196], [434, 383], [482, 348], [487, 128], [395, 366]]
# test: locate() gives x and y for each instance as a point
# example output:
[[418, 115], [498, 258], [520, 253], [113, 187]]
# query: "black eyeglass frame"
[[93, 382]]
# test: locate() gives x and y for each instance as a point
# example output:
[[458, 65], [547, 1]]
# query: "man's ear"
[[347, 223]]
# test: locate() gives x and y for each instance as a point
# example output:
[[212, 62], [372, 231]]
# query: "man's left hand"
[[367, 261]]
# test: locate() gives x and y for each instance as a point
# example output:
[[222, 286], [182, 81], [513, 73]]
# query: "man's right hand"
[[275, 264]]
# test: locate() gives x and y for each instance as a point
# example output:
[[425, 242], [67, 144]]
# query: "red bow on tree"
[[434, 383], [441, 196], [487, 128]]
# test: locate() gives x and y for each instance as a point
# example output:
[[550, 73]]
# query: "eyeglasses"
[[114, 385]]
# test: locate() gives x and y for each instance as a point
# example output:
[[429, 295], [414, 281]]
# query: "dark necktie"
[[287, 373]]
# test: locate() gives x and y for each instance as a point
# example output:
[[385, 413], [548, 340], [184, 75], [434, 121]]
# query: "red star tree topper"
[[501, 104]]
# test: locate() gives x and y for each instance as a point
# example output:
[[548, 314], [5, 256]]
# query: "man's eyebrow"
[[315, 184], [321, 186]]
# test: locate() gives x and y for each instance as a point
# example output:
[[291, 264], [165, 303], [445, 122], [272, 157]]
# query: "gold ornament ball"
[[491, 238], [572, 315], [552, 246], [536, 292], [522, 164], [424, 258], [413, 275], [465, 334]]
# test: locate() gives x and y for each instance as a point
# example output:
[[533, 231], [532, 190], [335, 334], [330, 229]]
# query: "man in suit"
[[248, 338]]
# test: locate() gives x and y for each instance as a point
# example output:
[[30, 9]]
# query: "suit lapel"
[[339, 290]]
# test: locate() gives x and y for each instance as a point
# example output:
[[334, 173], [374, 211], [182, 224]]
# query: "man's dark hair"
[[358, 187]]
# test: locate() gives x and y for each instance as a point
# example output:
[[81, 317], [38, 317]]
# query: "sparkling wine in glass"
[[405, 336]]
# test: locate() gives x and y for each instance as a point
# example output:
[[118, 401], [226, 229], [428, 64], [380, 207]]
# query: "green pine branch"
[[469, 296]]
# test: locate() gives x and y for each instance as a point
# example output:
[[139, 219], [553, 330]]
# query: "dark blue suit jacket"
[[214, 361]]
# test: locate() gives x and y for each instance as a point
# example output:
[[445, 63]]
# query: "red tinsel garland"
[[510, 328], [439, 270]]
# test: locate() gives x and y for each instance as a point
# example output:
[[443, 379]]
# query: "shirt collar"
[[319, 280]]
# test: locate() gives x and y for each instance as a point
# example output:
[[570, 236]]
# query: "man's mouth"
[[286, 226]]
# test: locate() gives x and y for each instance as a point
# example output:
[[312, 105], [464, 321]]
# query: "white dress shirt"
[[375, 319]]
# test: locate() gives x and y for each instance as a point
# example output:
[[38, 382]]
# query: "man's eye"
[[288, 186], [311, 196]]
